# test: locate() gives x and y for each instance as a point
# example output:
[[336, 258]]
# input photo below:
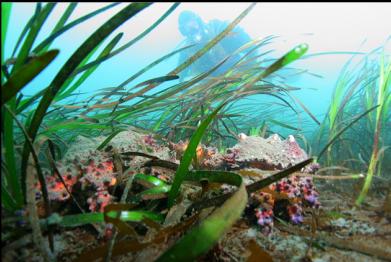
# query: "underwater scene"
[[195, 131]]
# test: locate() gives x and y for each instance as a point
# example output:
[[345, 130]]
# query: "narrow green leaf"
[[162, 118], [188, 156], [277, 176], [87, 73], [283, 125], [151, 102], [74, 125], [202, 238], [32, 35], [130, 43], [251, 188], [30, 101], [154, 63], [109, 138], [5, 14], [70, 79], [13, 180], [34, 155], [97, 37], [288, 58], [160, 79], [150, 180], [6, 197], [145, 69], [214, 176], [72, 24], [60, 24], [25, 74], [26, 28], [98, 217], [306, 110], [337, 135], [7, 200], [153, 192]]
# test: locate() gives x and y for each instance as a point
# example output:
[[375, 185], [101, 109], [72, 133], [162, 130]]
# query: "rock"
[[272, 153]]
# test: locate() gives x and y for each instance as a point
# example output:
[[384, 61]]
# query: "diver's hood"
[[191, 25]]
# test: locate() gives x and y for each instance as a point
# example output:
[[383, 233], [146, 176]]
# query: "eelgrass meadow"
[[210, 110]]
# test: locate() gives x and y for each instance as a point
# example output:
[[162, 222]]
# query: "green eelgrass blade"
[[283, 125], [337, 135], [50, 38], [30, 101], [32, 35], [25, 74], [151, 102], [26, 28], [159, 79], [200, 239], [194, 57], [70, 79], [383, 100], [130, 43], [288, 58], [251, 188], [305, 109], [34, 27], [9, 156], [35, 158], [188, 155], [5, 14], [212, 176], [60, 24], [108, 139], [151, 180], [278, 176], [148, 67], [87, 73], [97, 37], [153, 192], [162, 118], [7, 136], [82, 67], [232, 214], [98, 217], [74, 125], [13, 180], [335, 108], [7, 200], [154, 63]]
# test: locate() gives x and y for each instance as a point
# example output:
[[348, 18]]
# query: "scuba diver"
[[197, 32]]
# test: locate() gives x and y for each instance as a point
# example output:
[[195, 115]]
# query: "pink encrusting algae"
[[98, 175]]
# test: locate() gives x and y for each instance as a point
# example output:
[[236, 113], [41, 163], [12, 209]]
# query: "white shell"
[[242, 136]]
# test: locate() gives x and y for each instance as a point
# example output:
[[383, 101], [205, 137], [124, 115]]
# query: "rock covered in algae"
[[126, 141], [93, 169], [271, 153]]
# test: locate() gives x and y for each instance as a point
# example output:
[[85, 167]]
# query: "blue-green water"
[[312, 105], [326, 27]]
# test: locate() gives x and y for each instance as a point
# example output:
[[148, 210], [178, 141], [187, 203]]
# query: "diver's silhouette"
[[197, 32]]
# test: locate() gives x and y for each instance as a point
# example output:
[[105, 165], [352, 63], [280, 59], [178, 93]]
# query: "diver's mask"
[[191, 26]]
